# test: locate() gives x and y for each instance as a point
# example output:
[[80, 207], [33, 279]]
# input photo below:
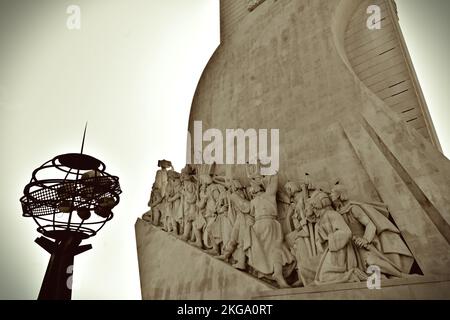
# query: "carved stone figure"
[[189, 199], [199, 223], [148, 216], [376, 239], [326, 237], [219, 225], [157, 195], [174, 209], [240, 239], [214, 205], [161, 178], [338, 262], [302, 238], [156, 204], [268, 253]]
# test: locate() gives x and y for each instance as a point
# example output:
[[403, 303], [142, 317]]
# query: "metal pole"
[[57, 284]]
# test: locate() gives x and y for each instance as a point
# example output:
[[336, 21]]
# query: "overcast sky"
[[426, 27], [131, 71]]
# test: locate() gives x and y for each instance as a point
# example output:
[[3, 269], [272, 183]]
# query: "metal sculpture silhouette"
[[70, 197]]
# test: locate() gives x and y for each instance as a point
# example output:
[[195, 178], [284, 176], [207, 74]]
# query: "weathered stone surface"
[[172, 269], [285, 66], [180, 271], [400, 289], [308, 68]]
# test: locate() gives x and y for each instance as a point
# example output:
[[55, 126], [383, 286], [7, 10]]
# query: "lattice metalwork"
[[71, 193]]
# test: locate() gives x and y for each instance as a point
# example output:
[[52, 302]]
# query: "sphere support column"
[[57, 283]]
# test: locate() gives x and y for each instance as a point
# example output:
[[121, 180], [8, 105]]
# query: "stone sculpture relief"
[[323, 238]]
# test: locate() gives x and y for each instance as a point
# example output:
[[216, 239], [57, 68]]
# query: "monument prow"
[[361, 182], [172, 269]]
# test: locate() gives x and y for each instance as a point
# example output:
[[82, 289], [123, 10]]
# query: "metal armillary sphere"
[[70, 197]]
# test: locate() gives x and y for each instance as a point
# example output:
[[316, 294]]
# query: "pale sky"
[[426, 26], [131, 71]]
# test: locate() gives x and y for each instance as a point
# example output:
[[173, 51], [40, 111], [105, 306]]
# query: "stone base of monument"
[[172, 269], [420, 288]]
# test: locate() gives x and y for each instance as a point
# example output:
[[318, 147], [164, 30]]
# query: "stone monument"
[[358, 206]]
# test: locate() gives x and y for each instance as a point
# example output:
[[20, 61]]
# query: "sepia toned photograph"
[[225, 154]]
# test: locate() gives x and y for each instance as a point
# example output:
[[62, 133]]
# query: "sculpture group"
[[324, 237]]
